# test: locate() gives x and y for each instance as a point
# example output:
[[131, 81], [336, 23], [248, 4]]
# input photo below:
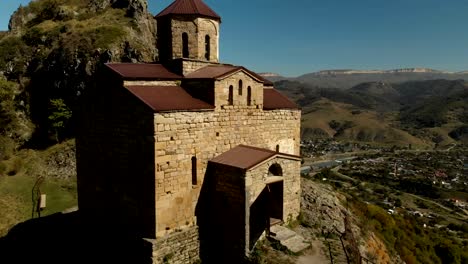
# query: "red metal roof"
[[247, 157], [272, 99], [213, 72], [142, 71], [189, 7], [220, 72], [168, 98]]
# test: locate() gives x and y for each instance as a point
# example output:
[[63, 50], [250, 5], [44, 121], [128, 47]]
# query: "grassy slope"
[[369, 126], [16, 191]]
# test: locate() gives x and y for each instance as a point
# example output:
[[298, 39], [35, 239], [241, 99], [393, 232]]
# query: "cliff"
[[54, 48]]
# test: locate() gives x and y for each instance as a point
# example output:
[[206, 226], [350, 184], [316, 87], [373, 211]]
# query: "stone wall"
[[239, 97], [189, 66], [208, 27], [196, 29], [178, 248], [205, 135], [256, 181], [226, 235], [115, 160]]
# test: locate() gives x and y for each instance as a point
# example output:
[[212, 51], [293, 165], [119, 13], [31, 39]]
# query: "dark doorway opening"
[[267, 210], [275, 202]]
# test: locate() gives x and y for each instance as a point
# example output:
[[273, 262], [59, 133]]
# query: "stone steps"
[[288, 238]]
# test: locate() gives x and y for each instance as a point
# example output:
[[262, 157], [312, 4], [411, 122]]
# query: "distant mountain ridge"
[[402, 70], [347, 78]]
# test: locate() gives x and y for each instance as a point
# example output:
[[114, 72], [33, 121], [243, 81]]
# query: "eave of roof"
[[273, 99], [142, 71], [167, 98], [189, 7], [247, 157]]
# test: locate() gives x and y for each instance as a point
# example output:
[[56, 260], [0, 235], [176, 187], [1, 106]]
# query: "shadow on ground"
[[68, 238]]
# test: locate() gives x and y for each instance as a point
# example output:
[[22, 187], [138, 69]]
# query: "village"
[[316, 148], [429, 185]]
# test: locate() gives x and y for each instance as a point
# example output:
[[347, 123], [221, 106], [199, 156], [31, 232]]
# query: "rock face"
[[337, 229], [62, 162], [323, 207], [134, 8], [56, 49]]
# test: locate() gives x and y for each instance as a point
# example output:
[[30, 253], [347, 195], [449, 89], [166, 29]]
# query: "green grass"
[[16, 203]]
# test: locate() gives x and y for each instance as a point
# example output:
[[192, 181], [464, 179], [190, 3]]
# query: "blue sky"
[[300, 36]]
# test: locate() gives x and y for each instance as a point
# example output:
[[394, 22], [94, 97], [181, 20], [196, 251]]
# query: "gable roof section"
[[272, 99], [246, 157], [142, 71], [168, 98], [189, 7], [220, 72]]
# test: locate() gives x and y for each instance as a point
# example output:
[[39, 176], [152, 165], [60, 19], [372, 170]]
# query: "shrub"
[[59, 116]]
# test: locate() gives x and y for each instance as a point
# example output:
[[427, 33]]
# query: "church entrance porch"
[[252, 190]]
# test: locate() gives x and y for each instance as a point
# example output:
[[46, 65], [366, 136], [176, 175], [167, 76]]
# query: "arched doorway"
[[275, 193], [267, 209]]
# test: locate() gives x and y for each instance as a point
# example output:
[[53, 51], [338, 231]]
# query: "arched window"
[[240, 87], [277, 148], [249, 96], [185, 48], [231, 95], [207, 47], [194, 171], [275, 170]]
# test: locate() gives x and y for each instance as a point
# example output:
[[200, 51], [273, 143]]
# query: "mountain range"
[[347, 78]]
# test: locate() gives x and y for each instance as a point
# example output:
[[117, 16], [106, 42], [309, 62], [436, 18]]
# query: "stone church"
[[195, 157]]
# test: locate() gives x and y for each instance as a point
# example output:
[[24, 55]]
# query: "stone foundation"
[[176, 248]]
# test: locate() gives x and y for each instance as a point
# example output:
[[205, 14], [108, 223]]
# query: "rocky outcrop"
[[61, 162], [59, 48], [322, 207], [337, 229], [134, 8]]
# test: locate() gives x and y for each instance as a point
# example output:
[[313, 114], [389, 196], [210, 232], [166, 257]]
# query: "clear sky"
[[299, 36]]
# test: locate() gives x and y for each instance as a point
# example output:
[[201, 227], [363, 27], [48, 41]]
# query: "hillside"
[[54, 48], [415, 112], [326, 118]]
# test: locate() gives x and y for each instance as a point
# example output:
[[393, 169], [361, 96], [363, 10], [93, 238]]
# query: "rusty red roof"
[[167, 98], [247, 157], [189, 7], [221, 72], [142, 71], [272, 99], [213, 72]]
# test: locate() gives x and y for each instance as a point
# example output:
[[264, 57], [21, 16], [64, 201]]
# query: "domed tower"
[[188, 29]]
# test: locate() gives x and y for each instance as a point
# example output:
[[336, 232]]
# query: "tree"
[[59, 116]]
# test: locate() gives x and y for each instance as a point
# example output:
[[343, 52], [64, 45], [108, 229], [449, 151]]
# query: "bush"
[[13, 56], [45, 10]]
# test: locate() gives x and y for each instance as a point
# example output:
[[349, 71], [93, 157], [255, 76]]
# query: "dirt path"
[[314, 255]]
